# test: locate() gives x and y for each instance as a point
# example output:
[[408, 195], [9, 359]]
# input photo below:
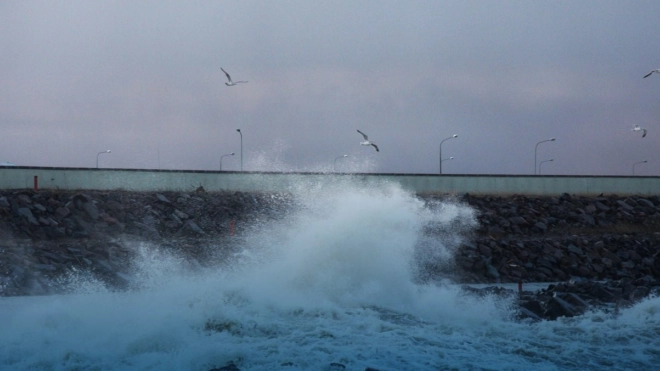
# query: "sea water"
[[334, 284]]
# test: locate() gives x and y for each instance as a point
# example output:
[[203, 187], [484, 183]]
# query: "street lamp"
[[641, 162], [335, 166], [440, 157], [541, 163], [229, 154], [97, 157], [239, 131], [537, 146]]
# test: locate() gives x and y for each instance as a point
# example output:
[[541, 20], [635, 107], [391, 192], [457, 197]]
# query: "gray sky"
[[143, 79]]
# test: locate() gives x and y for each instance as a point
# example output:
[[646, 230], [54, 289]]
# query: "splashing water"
[[334, 281], [273, 158]]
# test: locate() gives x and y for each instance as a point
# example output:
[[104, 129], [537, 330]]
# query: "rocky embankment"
[[45, 234], [545, 239]]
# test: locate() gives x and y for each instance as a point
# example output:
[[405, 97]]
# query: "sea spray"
[[335, 280], [350, 245]]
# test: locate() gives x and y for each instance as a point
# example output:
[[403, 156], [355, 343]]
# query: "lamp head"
[[108, 151], [455, 136], [552, 139], [239, 130], [231, 154]]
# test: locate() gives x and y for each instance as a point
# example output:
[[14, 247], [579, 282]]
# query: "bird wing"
[[643, 133], [364, 135], [375, 146], [648, 74], [226, 74]]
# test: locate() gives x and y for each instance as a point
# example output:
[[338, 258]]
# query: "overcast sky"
[[143, 79]]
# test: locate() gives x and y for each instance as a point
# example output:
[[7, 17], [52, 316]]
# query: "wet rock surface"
[[607, 245], [574, 297]]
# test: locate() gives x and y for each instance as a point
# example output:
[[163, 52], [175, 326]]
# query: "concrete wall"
[[14, 177]]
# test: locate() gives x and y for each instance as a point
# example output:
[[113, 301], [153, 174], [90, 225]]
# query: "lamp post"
[[229, 154], [335, 166], [537, 146], [635, 164], [440, 157], [97, 157], [541, 163], [239, 131]]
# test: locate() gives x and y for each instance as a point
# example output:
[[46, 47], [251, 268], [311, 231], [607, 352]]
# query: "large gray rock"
[[162, 198], [574, 249], [91, 210], [27, 213], [492, 272], [645, 202], [192, 227], [541, 226], [624, 205], [180, 214], [590, 209], [518, 220], [601, 206], [558, 307], [62, 212], [588, 219], [24, 200]]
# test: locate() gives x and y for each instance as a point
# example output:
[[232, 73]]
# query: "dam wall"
[[139, 180]]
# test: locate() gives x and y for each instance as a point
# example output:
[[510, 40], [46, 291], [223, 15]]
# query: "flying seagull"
[[366, 141], [638, 128], [651, 73], [230, 83]]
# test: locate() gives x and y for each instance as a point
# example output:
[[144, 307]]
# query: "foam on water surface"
[[336, 280]]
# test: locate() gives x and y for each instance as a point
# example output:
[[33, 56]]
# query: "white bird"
[[367, 142], [652, 72], [231, 83], [638, 128]]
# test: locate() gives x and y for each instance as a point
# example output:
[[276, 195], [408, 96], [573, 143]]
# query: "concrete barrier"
[[21, 177]]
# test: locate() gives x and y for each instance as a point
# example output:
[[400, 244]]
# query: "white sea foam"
[[334, 281]]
